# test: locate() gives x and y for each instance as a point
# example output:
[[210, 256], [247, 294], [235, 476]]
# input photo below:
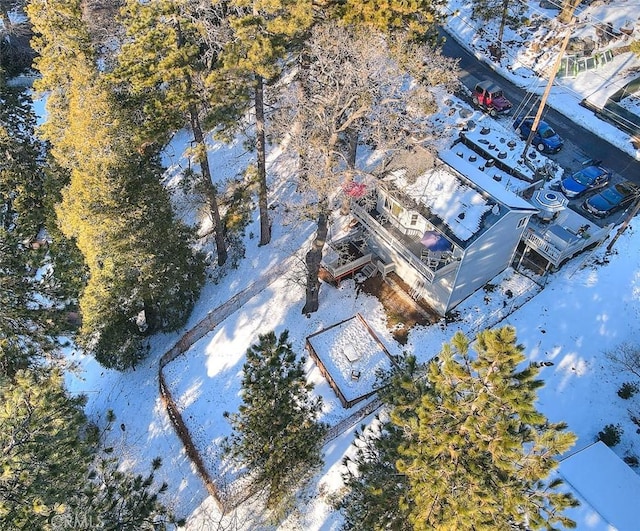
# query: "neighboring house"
[[606, 487], [446, 232]]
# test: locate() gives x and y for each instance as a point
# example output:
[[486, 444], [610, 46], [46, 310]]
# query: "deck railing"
[[383, 235], [339, 270]]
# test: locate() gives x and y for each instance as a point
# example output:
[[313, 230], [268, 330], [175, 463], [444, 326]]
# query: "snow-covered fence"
[[219, 314], [202, 328], [184, 435], [352, 419]]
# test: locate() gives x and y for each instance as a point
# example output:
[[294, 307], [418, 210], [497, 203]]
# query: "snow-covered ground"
[[586, 309]]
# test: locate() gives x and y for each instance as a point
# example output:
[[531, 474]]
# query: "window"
[[414, 219], [393, 207], [522, 222]]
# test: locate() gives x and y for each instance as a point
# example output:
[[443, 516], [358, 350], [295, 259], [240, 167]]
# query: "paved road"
[[580, 144]]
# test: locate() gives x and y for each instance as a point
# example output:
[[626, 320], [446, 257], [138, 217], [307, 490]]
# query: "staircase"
[[369, 270]]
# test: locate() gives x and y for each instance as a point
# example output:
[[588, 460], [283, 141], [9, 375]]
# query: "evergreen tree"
[[43, 455], [263, 31], [51, 477], [375, 487], [143, 276], [161, 72], [508, 11], [21, 166], [112, 499], [418, 19], [62, 42], [276, 432], [22, 335], [23, 320], [474, 452]]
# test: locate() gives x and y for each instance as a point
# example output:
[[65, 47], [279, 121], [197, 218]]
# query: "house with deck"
[[446, 230]]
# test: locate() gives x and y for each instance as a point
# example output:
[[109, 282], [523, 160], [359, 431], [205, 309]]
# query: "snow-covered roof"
[[486, 183], [606, 483], [507, 181], [459, 205]]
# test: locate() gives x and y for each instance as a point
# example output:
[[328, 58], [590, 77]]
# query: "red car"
[[489, 97]]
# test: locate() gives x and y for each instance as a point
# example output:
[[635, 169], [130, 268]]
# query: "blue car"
[[585, 180], [545, 138], [615, 197]]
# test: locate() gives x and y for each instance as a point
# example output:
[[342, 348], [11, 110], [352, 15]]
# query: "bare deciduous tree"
[[352, 89], [627, 357]]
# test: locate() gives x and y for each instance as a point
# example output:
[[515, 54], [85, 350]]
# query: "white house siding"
[[487, 256], [438, 293]]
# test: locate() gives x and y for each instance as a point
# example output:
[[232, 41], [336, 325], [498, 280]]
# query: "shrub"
[[627, 390], [610, 435], [632, 460]]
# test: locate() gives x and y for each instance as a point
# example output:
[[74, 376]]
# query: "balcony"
[[403, 241], [346, 256], [562, 238]]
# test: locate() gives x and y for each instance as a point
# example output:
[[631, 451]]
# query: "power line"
[[536, 75]]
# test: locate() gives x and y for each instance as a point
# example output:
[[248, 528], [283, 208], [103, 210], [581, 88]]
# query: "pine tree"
[[276, 432], [474, 451], [112, 499], [263, 31], [62, 42], [143, 276], [374, 485], [43, 455], [21, 167], [507, 11], [23, 323], [160, 69], [51, 476], [418, 19]]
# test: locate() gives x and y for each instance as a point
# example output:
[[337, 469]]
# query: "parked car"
[[588, 178], [489, 97], [545, 139], [612, 198]]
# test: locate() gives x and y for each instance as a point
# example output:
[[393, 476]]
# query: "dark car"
[[545, 139], [588, 178], [489, 97], [612, 198]]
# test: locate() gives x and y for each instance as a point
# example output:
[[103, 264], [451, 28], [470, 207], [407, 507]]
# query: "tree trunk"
[[150, 317], [568, 9], [265, 225], [313, 258], [209, 188], [352, 148], [503, 21]]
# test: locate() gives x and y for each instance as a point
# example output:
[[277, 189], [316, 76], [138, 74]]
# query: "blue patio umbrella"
[[435, 241]]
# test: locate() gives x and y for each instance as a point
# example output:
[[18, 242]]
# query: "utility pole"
[[545, 95]]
